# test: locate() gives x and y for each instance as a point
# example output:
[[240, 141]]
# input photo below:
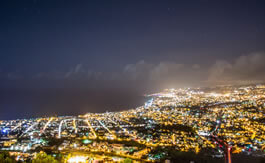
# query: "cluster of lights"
[[224, 119]]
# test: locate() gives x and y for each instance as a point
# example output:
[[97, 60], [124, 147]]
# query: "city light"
[[225, 121]]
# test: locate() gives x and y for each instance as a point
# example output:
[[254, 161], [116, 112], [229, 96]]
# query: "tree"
[[42, 157], [127, 160], [6, 158]]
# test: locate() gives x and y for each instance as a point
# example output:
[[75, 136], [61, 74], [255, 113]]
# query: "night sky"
[[60, 57]]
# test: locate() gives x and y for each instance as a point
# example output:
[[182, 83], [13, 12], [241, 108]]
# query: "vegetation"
[[127, 160], [6, 158], [260, 120], [42, 157], [178, 156]]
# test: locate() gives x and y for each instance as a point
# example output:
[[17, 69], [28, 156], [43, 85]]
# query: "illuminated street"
[[224, 121]]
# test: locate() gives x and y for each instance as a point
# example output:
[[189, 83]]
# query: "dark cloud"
[[137, 71], [248, 68], [165, 73], [14, 76], [244, 68], [76, 70]]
